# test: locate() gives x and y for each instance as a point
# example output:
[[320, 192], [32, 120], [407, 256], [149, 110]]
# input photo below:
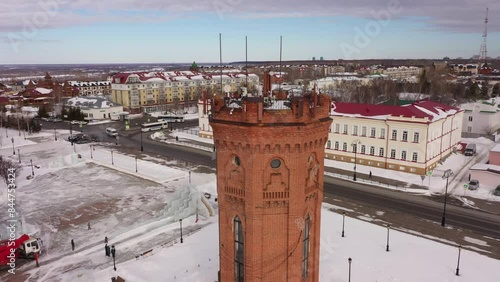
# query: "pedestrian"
[[176, 138], [106, 240], [113, 251], [469, 176], [370, 175], [106, 250], [88, 224], [72, 245]]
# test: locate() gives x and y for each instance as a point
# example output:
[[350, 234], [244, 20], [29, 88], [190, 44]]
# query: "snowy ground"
[[139, 212]]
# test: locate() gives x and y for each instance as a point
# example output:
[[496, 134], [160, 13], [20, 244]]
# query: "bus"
[[171, 118], [154, 126]]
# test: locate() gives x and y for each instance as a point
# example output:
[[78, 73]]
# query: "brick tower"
[[270, 162]]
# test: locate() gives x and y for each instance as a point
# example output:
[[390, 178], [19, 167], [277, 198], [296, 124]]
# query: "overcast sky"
[[166, 31]]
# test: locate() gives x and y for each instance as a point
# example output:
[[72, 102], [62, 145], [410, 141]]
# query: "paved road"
[[420, 206]]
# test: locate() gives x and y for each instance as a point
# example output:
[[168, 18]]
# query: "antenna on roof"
[[246, 63], [220, 60], [281, 51]]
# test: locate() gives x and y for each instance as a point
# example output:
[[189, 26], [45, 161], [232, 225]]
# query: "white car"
[[75, 122]]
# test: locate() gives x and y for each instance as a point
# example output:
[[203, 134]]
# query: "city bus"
[[171, 118], [154, 126]]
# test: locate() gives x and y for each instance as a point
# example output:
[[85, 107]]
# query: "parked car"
[[83, 122], [473, 185], [85, 139], [497, 191], [57, 120], [76, 137], [75, 122], [470, 150]]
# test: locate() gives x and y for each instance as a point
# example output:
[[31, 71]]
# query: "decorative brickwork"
[[270, 175]]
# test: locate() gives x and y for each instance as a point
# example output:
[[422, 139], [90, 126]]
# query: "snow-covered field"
[[139, 212]]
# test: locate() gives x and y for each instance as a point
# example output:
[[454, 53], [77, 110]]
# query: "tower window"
[[305, 248], [238, 251], [275, 163], [236, 161]]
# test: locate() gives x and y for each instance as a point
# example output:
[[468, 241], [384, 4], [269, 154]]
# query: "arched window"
[[239, 254], [305, 248]]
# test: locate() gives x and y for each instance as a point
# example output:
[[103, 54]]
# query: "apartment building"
[[411, 138], [92, 88], [402, 72], [155, 91]]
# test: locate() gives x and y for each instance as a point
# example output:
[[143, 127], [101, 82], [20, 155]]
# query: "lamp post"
[[350, 260], [91, 156], [142, 148], [343, 222], [135, 163], [55, 134], [446, 175], [189, 177], [19, 155], [180, 221], [458, 262], [387, 246], [112, 161], [71, 132], [13, 150], [32, 170], [354, 145], [113, 251]]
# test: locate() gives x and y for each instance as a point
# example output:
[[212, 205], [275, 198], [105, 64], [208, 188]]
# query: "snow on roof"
[[422, 109], [42, 90], [494, 168], [496, 148], [90, 102]]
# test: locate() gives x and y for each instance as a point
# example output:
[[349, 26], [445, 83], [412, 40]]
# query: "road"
[[399, 202]]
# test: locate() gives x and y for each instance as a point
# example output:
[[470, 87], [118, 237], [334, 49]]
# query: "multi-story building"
[[481, 118], [402, 72], [411, 138], [155, 91], [92, 88]]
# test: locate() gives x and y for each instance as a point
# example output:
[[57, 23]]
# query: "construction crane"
[[483, 53]]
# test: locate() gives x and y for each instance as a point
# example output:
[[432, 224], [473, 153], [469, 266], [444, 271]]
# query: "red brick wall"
[[272, 203]]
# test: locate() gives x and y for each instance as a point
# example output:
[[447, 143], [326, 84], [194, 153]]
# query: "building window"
[[363, 149], [416, 137], [470, 118], [344, 146], [329, 144], [354, 148], [381, 152], [405, 135], [372, 133], [363, 131], [238, 251], [346, 127], [337, 128], [355, 130], [372, 150], [469, 128], [414, 157], [336, 145], [305, 249], [382, 133], [394, 134], [393, 154], [403, 155]]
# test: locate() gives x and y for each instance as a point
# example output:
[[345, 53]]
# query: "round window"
[[275, 163], [236, 161]]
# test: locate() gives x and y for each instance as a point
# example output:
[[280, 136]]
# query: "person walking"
[[106, 250], [72, 245], [370, 175], [88, 224], [106, 240]]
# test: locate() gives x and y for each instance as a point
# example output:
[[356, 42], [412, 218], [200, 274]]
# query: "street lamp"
[[458, 262], [354, 145], [142, 148], [13, 150], [180, 221], [91, 156], [446, 175], [113, 251], [343, 222], [350, 260], [387, 246], [135, 163], [55, 136], [189, 177], [112, 161], [32, 170], [19, 155]]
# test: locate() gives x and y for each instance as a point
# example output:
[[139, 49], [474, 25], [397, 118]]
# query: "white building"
[[92, 88], [411, 138], [403, 72], [94, 107], [481, 117]]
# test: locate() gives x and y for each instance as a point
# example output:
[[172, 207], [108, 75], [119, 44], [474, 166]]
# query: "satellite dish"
[[227, 88]]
